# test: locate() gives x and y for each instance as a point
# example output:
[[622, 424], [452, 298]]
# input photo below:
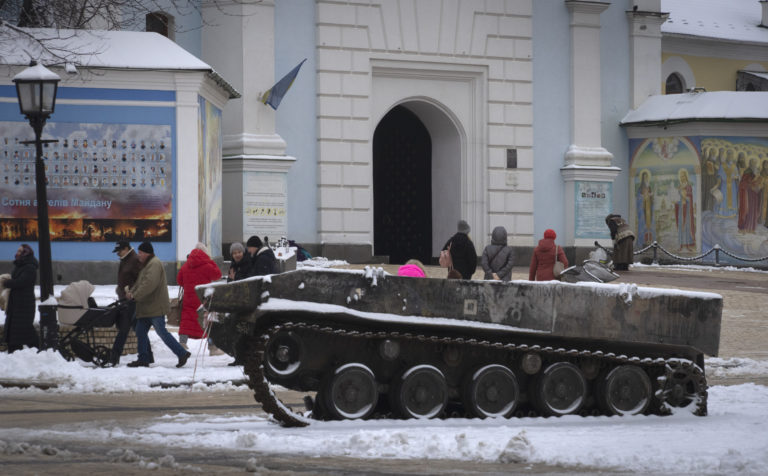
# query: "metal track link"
[[254, 366]]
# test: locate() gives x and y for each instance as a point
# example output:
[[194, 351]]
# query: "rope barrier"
[[717, 249]]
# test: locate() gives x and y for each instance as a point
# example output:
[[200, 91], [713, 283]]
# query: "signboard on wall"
[[264, 204], [593, 204], [105, 182]]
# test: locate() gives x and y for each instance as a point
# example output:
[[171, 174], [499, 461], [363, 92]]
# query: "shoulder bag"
[[174, 314], [446, 261], [559, 266]]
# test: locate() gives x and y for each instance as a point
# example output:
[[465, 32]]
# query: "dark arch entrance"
[[402, 188]]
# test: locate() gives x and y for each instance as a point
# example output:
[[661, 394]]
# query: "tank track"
[[676, 373]]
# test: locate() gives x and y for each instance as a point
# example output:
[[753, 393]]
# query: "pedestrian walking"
[[544, 257], [462, 251], [127, 272], [152, 304], [20, 310], [198, 269], [497, 259]]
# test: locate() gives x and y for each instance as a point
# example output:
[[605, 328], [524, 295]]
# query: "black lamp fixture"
[[36, 88]]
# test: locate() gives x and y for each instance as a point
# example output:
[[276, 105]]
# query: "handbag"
[[174, 314], [559, 266], [446, 261]]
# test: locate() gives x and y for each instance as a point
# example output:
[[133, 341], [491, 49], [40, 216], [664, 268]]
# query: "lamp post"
[[36, 88]]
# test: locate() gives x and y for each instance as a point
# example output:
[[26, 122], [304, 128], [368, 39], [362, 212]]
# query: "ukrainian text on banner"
[[105, 182]]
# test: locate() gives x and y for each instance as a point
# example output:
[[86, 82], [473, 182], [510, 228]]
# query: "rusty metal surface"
[[619, 313]]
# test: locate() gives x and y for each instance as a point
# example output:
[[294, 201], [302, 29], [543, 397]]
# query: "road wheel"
[[491, 391], [421, 392], [626, 390], [561, 389], [352, 392]]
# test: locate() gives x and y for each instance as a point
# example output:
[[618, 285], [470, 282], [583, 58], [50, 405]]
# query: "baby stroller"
[[76, 307]]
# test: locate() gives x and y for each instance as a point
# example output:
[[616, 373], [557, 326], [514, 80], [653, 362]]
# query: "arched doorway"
[[402, 187]]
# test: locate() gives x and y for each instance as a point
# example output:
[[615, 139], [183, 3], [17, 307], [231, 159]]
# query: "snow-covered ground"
[[732, 439]]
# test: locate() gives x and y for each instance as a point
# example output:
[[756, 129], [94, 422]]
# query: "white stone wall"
[[495, 36]]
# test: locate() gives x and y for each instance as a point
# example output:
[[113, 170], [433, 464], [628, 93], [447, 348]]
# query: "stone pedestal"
[[255, 197]]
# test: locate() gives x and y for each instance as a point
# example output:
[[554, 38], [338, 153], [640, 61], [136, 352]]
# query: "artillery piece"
[[373, 345]]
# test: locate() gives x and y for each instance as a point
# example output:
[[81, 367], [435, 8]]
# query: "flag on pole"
[[275, 94]]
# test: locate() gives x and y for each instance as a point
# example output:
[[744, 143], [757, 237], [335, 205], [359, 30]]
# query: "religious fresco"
[[209, 165], [691, 193], [105, 182]]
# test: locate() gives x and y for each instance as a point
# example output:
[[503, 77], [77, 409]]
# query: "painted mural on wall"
[[209, 165], [105, 182], [691, 193]]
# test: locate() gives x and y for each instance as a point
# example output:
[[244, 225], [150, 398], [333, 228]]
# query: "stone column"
[[241, 47], [587, 172], [645, 49]]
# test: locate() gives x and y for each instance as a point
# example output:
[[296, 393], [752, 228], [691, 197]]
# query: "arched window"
[[674, 84], [160, 22]]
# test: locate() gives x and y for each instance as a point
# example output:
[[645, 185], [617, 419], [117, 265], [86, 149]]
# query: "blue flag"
[[275, 94]]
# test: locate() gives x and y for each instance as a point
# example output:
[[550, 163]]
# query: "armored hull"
[[376, 345]]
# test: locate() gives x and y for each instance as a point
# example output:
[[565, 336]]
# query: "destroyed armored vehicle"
[[373, 345]]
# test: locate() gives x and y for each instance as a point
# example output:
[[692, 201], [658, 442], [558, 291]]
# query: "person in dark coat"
[[497, 259], [127, 272], [623, 242], [543, 259], [198, 269], [462, 251], [263, 261], [20, 312], [240, 266]]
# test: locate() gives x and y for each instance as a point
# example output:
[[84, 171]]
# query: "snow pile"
[[320, 262]]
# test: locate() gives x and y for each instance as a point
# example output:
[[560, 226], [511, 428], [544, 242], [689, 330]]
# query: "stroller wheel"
[[102, 356]]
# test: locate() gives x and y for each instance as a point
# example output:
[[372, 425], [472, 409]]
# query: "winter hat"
[[499, 236], [122, 244], [463, 227], [236, 247], [25, 250], [410, 270], [146, 247], [254, 242], [550, 234]]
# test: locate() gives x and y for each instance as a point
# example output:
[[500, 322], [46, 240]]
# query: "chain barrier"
[[717, 249]]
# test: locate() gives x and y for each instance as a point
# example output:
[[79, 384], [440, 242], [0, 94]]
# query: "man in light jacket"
[[152, 304]]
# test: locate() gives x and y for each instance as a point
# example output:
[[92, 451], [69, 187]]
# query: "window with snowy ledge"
[[674, 84]]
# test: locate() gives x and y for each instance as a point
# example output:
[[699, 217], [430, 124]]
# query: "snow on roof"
[[701, 106], [730, 20], [101, 49], [756, 73]]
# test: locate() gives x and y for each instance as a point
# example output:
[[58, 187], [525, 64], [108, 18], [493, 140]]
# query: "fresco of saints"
[[708, 180], [730, 190], [684, 216], [764, 187], [749, 199], [646, 222]]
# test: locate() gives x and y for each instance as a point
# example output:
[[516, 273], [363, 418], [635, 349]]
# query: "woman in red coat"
[[198, 269], [543, 259]]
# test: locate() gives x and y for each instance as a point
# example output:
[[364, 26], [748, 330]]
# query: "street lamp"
[[36, 88]]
